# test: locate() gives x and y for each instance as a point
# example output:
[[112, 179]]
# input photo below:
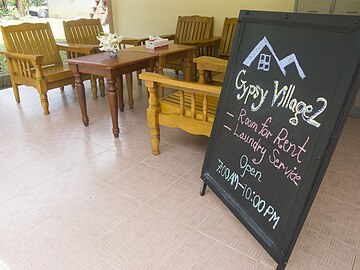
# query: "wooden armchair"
[[195, 31], [218, 65], [33, 59], [191, 108], [85, 31]]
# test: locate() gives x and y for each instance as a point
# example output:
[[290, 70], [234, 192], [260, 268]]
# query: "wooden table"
[[112, 69], [167, 54]]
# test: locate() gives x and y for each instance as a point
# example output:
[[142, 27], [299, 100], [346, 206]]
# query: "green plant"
[[3, 65]]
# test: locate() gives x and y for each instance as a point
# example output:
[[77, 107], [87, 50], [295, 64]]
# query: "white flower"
[[109, 42]]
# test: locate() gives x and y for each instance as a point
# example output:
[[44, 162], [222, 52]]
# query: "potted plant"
[[109, 42]]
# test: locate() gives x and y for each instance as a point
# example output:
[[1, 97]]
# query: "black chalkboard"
[[289, 85]]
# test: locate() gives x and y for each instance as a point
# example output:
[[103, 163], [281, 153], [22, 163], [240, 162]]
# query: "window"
[[264, 62]]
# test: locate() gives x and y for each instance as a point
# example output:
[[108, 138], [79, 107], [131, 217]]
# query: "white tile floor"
[[73, 197]]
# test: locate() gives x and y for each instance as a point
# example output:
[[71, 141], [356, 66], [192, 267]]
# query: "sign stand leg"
[[203, 189], [281, 266]]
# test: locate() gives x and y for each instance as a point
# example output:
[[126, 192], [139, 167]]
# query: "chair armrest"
[[168, 36], [78, 48], [26, 57], [211, 63], [25, 64], [133, 41], [191, 87], [211, 42], [209, 47]]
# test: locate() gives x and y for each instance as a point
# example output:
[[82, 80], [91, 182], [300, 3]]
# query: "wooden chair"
[[191, 107], [33, 59], [85, 31], [195, 31], [218, 65]]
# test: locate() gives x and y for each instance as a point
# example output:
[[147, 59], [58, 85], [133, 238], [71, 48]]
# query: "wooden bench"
[[191, 107]]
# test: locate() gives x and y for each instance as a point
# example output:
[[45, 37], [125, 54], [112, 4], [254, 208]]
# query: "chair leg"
[[155, 140], [119, 89], [44, 103], [62, 88], [176, 72], [129, 87], [102, 86], [16, 92], [138, 79], [93, 86], [152, 113]]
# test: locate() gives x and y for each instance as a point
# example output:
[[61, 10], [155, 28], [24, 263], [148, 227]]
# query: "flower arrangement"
[[109, 42]]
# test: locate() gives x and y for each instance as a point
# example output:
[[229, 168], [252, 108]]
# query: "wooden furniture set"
[[191, 107]]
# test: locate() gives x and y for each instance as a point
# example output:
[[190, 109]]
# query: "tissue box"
[[156, 43]]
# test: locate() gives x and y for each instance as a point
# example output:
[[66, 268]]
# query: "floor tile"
[[183, 202], [142, 182], [8, 189], [175, 160], [19, 215], [133, 145], [106, 165]]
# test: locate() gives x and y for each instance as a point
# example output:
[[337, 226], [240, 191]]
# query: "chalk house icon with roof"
[[265, 58]]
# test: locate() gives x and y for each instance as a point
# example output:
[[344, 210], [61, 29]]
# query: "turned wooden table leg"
[[129, 87], [138, 79], [113, 103], [160, 70], [187, 66], [102, 86], [119, 86], [80, 91]]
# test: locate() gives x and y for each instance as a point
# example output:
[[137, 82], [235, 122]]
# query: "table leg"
[[129, 87], [113, 103], [187, 65], [80, 91], [138, 79], [119, 86], [160, 70]]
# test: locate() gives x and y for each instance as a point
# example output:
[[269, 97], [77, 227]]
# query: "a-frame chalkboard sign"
[[289, 85]]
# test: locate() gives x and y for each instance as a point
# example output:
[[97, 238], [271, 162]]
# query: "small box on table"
[[156, 43]]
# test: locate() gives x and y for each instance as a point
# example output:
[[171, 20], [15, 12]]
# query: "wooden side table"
[[112, 69], [168, 54]]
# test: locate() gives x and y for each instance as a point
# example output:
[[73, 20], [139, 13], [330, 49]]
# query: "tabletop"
[[103, 60], [170, 49]]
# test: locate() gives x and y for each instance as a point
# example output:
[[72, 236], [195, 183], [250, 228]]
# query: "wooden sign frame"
[[316, 140]]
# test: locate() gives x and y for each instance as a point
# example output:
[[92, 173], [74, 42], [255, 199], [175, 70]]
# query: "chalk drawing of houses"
[[264, 59]]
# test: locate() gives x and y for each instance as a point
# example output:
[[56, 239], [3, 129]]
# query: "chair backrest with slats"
[[83, 31], [32, 39], [227, 37], [195, 27]]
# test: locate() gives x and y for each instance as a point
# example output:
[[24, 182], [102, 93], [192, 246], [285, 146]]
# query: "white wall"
[[70, 9], [139, 18]]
